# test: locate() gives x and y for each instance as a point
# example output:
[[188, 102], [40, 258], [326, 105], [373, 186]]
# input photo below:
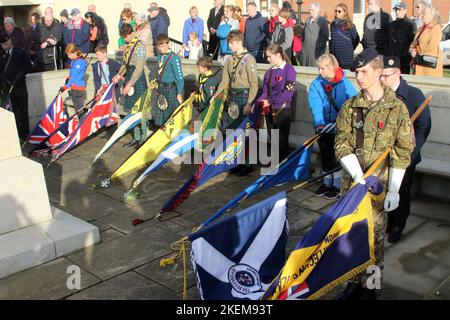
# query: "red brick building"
[[357, 8]]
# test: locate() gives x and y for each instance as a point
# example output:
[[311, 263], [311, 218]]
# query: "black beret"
[[391, 62], [364, 58], [3, 37]]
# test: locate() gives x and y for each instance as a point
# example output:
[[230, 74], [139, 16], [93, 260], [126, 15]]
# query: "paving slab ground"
[[125, 264]]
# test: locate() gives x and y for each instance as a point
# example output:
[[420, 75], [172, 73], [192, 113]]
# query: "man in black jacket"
[[376, 27], [214, 19], [413, 98], [401, 35], [51, 36], [14, 65]]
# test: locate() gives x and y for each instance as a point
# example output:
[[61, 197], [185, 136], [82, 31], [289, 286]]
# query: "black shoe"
[[322, 190], [332, 193], [246, 170], [394, 236], [368, 294], [236, 169], [353, 291]]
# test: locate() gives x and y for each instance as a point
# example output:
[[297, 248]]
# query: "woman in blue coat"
[[193, 24], [326, 95], [344, 37]]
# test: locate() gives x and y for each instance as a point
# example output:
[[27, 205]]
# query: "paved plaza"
[[125, 264]]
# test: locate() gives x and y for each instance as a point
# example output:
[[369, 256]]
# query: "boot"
[[352, 292], [368, 294]]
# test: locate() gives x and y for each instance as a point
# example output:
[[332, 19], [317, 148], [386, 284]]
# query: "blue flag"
[[180, 145], [339, 246], [230, 155], [238, 257], [294, 168]]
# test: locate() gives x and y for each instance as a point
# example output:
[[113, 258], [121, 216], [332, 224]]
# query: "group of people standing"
[[303, 43]]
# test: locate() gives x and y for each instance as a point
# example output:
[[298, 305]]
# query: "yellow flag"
[[157, 142]]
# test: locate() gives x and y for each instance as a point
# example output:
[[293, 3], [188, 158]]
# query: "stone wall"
[[436, 152]]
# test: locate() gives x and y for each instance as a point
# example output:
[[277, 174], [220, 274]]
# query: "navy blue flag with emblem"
[[339, 246], [238, 257]]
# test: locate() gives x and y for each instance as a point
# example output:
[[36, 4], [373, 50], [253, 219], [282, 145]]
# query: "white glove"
[[351, 164], [395, 181]]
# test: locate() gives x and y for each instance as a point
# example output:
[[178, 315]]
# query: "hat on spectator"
[[400, 5], [391, 62], [364, 58], [4, 37]]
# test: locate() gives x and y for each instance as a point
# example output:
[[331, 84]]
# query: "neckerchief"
[[129, 50], [162, 64], [237, 58]]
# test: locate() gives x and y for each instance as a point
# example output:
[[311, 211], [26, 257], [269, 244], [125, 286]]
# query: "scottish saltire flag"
[[293, 168], [128, 123], [180, 145], [103, 113], [228, 157], [52, 119], [238, 257], [339, 246]]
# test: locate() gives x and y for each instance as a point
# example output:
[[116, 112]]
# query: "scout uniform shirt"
[[207, 87], [170, 84], [386, 124], [246, 76]]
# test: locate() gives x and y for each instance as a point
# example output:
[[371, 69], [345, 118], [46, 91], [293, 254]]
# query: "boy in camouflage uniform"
[[367, 125]]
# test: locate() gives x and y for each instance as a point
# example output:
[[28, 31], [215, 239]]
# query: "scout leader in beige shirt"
[[245, 73]]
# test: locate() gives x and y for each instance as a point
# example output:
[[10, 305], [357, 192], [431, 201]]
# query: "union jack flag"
[[104, 113], [52, 119]]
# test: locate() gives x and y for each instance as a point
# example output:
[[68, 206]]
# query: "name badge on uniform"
[[161, 102], [131, 92], [233, 110]]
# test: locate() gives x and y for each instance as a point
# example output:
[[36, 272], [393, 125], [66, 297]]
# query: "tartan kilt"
[[139, 87], [240, 97], [170, 93]]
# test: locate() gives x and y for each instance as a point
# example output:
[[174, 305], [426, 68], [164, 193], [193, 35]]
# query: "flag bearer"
[[326, 95], [276, 99], [76, 81], [413, 98], [170, 81], [367, 125], [207, 82], [134, 59], [241, 80]]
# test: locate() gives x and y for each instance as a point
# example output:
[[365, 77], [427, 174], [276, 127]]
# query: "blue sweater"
[[321, 108], [76, 77]]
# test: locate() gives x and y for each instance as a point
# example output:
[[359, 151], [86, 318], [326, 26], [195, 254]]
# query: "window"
[[358, 6], [262, 5]]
